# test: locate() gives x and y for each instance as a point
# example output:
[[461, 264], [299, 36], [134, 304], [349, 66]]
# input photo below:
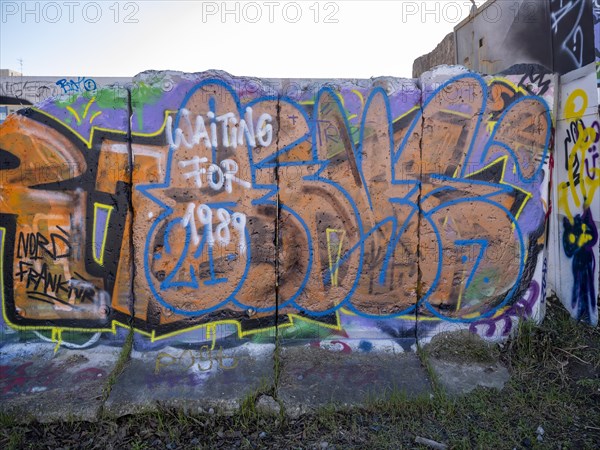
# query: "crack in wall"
[[125, 353], [277, 240], [277, 350], [420, 214], [130, 167]]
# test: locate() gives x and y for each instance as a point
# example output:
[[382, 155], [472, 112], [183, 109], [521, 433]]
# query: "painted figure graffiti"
[[578, 240]]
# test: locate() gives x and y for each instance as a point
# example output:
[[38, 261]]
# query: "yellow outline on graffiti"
[[456, 113], [515, 87], [72, 111], [334, 274], [211, 328], [168, 112], [528, 195], [96, 114], [360, 96], [403, 115], [88, 142], [100, 259], [87, 107]]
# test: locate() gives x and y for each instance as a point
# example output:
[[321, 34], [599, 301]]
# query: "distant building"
[[556, 34], [503, 33], [9, 104], [9, 73]]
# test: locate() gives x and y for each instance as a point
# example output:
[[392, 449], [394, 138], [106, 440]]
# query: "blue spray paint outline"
[[272, 189]]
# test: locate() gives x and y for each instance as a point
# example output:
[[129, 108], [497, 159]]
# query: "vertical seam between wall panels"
[[277, 241], [552, 204], [419, 217], [125, 353], [130, 164], [551, 188]]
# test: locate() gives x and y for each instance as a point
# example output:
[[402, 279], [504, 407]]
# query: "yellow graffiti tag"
[[580, 195]]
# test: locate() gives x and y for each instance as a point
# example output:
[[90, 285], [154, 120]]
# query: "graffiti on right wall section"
[[577, 198]]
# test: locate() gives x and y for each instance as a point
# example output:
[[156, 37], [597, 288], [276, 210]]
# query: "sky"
[[274, 39]]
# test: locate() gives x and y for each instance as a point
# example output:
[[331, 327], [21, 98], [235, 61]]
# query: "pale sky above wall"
[[319, 39]]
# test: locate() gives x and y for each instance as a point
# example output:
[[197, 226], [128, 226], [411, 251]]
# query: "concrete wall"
[[577, 178], [17, 91], [575, 243], [217, 211], [562, 36]]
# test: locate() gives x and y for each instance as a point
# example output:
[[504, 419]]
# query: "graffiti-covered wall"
[[205, 206], [578, 204], [574, 247], [32, 89], [563, 36], [18, 91]]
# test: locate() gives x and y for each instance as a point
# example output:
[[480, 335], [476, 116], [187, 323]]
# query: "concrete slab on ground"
[[191, 380], [314, 377], [36, 383], [458, 378]]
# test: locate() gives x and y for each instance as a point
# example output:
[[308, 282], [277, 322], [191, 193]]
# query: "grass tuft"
[[124, 357], [462, 347]]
